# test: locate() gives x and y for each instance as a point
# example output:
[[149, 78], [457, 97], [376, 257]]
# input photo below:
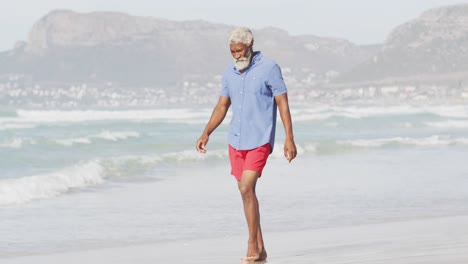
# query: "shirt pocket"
[[257, 86]]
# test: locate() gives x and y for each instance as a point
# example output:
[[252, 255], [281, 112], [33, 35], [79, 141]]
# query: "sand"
[[439, 240]]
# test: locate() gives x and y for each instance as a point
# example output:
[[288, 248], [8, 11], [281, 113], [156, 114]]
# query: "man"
[[255, 89]]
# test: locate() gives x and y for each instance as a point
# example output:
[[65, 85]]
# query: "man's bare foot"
[[249, 259], [252, 253], [257, 259], [263, 255]]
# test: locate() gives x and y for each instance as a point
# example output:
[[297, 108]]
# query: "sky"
[[359, 21]]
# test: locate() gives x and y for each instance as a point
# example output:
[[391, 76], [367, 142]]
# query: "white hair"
[[241, 35]]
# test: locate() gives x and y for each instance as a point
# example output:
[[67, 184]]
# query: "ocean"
[[81, 178]]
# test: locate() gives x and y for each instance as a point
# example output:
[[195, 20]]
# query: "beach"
[[438, 240], [369, 185]]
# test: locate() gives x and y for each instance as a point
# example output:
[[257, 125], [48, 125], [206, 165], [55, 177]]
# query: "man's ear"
[[251, 46]]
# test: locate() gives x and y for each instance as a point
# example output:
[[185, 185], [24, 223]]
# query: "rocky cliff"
[[65, 46], [434, 44], [104, 46]]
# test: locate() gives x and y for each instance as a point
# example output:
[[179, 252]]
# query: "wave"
[[435, 140], [16, 143], [129, 167], [29, 118], [72, 116], [449, 124], [22, 190], [359, 112], [26, 189], [104, 135], [13, 126], [72, 141], [114, 136], [25, 119]]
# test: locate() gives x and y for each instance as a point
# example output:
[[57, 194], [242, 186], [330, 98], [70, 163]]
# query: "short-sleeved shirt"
[[253, 104]]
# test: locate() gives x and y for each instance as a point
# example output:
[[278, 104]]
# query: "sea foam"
[[73, 116], [25, 189], [431, 141], [359, 112]]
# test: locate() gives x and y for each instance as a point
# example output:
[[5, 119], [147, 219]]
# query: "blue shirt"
[[253, 104]]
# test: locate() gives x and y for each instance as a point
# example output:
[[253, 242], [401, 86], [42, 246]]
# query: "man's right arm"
[[219, 112]]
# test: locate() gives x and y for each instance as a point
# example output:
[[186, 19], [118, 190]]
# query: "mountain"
[[65, 46], [433, 47], [107, 47]]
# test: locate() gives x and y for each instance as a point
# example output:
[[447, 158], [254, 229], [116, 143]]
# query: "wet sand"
[[428, 241]]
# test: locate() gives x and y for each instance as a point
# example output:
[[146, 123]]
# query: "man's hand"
[[201, 143], [219, 112], [290, 151]]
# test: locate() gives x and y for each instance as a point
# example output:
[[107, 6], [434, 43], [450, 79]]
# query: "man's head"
[[241, 45]]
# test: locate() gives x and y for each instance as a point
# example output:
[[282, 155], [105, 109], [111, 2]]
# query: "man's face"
[[242, 54]]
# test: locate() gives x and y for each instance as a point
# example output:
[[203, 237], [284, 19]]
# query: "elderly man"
[[254, 88]]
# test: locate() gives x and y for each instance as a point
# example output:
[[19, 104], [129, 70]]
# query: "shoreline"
[[432, 240]]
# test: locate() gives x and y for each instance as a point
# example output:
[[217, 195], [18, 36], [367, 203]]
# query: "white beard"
[[244, 62]]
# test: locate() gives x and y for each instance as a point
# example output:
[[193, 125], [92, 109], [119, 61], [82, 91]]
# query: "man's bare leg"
[[261, 246], [255, 247]]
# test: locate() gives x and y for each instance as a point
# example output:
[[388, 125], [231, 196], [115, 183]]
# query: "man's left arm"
[[290, 150]]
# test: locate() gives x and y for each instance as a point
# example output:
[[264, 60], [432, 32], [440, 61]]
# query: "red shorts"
[[253, 159]]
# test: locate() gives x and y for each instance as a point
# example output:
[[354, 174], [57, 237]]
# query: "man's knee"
[[247, 183], [246, 191]]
